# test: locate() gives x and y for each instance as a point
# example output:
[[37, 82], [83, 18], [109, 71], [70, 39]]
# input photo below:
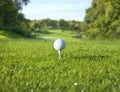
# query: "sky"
[[56, 9]]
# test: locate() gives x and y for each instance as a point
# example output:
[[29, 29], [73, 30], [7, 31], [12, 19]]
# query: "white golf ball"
[[75, 84], [59, 44]]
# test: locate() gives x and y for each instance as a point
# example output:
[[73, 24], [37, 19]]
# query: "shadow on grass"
[[10, 34], [40, 38]]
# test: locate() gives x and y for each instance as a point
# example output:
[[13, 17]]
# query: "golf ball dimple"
[[59, 44]]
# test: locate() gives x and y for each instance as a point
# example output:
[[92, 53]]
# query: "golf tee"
[[59, 54]]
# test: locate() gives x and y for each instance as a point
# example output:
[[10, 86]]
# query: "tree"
[[20, 3], [64, 25], [10, 18], [102, 17]]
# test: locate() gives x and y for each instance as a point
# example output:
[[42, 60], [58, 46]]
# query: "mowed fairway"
[[32, 65]]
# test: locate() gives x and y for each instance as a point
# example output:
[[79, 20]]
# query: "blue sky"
[[56, 9]]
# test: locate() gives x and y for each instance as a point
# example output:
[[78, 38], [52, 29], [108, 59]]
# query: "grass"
[[54, 34], [32, 65], [8, 35]]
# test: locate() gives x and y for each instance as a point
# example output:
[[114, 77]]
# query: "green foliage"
[[83, 26], [20, 3], [103, 16], [92, 33], [64, 25], [11, 19], [8, 12], [47, 24], [44, 24]]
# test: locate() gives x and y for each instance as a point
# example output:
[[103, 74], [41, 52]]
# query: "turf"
[[32, 65]]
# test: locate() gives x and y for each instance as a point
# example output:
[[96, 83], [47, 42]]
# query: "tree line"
[[102, 19], [10, 17], [56, 24]]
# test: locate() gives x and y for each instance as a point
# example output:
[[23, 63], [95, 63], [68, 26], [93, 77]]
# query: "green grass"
[[8, 35], [32, 65], [54, 34]]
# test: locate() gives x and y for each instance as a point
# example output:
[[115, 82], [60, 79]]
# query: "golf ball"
[[59, 44]]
